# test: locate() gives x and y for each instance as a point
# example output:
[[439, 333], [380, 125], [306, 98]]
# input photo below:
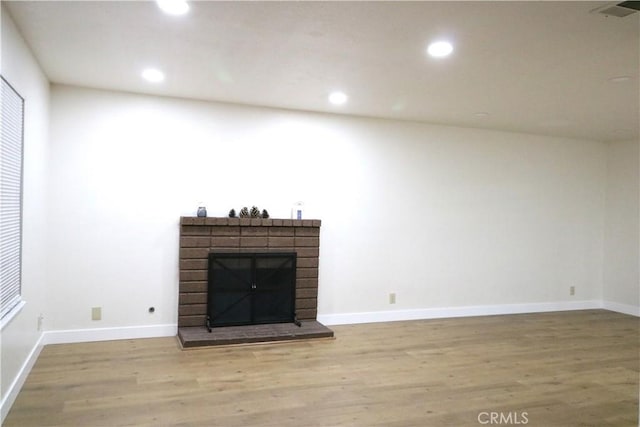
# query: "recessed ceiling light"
[[440, 49], [338, 98], [620, 79], [153, 75], [173, 7]]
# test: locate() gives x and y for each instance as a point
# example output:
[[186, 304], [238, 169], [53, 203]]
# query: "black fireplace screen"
[[251, 288]]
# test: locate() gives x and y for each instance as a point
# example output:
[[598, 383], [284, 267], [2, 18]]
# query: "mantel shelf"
[[249, 222]]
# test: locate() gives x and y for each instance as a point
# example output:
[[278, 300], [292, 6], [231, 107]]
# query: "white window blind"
[[11, 143]]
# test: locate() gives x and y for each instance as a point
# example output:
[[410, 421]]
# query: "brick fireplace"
[[199, 236]]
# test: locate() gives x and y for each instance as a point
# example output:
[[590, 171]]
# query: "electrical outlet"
[[96, 313], [40, 322], [392, 298], [572, 290]]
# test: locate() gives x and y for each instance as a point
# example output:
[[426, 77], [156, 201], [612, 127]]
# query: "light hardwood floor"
[[551, 369]]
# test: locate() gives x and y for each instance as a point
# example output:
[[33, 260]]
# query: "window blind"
[[11, 154]]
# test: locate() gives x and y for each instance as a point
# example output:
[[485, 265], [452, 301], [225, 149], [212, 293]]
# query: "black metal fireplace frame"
[[253, 287]]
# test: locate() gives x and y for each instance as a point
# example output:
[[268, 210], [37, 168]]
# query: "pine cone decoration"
[[244, 212], [232, 213], [265, 214], [255, 212]]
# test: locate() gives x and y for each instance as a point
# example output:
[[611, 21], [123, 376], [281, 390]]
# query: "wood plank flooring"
[[551, 369]]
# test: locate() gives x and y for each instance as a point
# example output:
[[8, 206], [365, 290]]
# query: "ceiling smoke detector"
[[619, 10]]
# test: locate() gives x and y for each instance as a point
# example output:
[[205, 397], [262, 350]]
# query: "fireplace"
[[247, 238], [251, 288]]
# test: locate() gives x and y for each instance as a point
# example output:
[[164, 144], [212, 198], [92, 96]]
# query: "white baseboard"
[[632, 310], [18, 382], [109, 334], [465, 311]]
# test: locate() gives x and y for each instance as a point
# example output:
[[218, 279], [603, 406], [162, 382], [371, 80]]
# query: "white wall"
[[19, 339], [442, 216], [621, 253]]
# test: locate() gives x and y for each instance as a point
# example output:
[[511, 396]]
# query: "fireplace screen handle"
[[253, 286]]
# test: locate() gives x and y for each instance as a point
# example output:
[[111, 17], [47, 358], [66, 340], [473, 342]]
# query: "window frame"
[[11, 229]]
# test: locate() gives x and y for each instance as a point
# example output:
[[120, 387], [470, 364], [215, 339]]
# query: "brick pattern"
[[198, 236]]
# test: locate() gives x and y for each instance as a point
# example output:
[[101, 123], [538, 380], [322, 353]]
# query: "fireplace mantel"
[[199, 236], [249, 222]]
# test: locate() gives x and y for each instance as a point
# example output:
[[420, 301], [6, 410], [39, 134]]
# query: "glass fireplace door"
[[251, 288]]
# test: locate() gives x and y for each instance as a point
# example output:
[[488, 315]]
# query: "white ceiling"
[[536, 67]]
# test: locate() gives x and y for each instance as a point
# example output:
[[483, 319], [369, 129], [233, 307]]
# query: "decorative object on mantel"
[[246, 213], [202, 211], [296, 211]]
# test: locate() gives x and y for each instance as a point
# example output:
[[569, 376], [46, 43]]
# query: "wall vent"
[[619, 10]]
